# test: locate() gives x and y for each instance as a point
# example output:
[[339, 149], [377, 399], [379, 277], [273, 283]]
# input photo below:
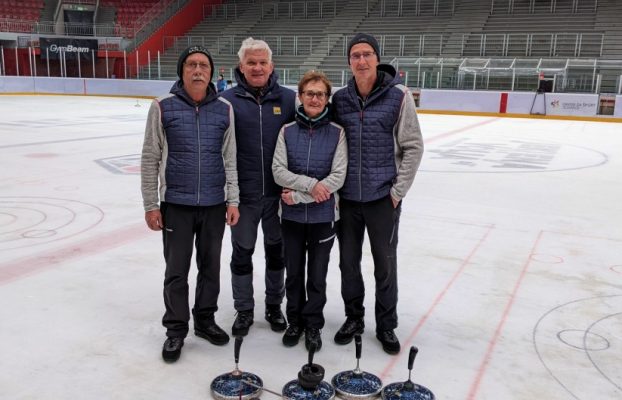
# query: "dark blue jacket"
[[258, 119], [194, 171], [369, 127], [311, 147]]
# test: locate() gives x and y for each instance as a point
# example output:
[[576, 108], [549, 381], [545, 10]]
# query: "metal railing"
[[533, 44], [321, 9], [399, 8], [542, 6], [512, 74], [50, 28], [276, 10], [306, 45]]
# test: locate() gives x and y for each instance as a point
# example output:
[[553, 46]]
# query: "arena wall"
[[430, 100]]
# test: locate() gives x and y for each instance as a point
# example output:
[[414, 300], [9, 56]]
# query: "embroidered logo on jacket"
[[276, 110]]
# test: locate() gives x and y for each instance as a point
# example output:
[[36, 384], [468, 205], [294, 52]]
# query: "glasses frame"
[[367, 55], [320, 95], [191, 66]]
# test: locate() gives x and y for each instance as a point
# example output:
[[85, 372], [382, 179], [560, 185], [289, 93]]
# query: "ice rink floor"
[[510, 265]]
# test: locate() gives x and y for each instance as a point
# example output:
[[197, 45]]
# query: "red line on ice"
[[437, 300], [19, 268], [506, 312]]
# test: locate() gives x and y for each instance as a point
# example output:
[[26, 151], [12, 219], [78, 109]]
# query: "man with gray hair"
[[261, 108]]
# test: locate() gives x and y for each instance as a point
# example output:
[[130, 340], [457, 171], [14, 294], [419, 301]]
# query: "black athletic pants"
[[184, 226], [381, 221], [305, 308]]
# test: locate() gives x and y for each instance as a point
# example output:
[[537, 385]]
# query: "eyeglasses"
[[193, 65], [367, 56], [309, 94]]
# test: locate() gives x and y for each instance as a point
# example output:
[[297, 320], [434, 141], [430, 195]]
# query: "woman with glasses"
[[310, 164]]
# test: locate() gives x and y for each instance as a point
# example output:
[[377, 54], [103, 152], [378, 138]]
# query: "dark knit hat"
[[364, 38], [192, 50]]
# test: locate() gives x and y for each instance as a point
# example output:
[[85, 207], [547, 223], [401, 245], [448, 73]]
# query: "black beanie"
[[192, 50], [364, 38]]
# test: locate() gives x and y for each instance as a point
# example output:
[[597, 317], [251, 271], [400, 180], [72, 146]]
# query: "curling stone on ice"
[[236, 384], [310, 383], [356, 383], [407, 390]]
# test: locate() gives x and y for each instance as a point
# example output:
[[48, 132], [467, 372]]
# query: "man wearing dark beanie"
[[384, 151], [189, 185]]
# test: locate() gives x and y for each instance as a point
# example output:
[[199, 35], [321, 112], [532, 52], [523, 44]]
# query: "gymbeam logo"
[[54, 48], [70, 49]]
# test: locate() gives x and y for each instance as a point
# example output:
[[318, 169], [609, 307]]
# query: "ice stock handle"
[[359, 345], [411, 357]]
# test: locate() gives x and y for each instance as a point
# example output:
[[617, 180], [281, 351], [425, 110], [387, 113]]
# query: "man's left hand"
[[232, 216]]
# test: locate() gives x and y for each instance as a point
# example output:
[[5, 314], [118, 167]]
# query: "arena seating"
[[128, 13], [313, 34], [21, 10], [306, 34]]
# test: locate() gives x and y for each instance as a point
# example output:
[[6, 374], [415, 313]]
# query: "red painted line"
[[436, 302], [493, 341], [459, 130], [20, 268]]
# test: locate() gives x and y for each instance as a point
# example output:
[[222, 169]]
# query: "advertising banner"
[[53, 47], [572, 104], [577, 104]]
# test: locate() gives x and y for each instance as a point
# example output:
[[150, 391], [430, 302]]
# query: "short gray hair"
[[254, 44]]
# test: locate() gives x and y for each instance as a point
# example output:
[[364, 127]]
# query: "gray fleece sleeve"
[[151, 158], [229, 154], [409, 146]]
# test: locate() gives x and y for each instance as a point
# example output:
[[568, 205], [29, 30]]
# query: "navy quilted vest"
[[310, 151], [257, 126], [195, 171], [371, 141]]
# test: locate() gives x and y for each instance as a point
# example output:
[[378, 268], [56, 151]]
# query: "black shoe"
[[351, 327], [212, 333], [313, 337], [276, 318], [390, 343], [292, 335], [172, 349], [242, 322]]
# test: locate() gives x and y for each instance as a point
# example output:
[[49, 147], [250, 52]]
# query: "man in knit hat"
[[190, 189], [384, 151]]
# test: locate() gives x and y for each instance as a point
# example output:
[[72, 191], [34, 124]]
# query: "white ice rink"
[[510, 265]]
